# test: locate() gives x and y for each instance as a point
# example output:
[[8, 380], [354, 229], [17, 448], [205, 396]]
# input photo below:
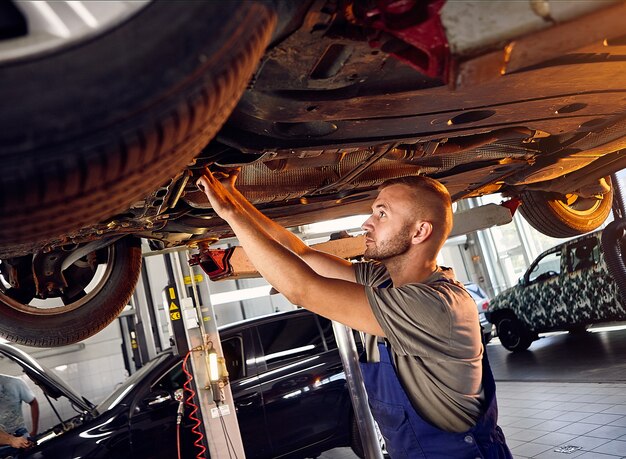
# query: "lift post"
[[195, 333]]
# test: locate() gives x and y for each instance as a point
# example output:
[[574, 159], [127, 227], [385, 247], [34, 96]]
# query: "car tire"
[[514, 335], [84, 315], [88, 129], [566, 217]]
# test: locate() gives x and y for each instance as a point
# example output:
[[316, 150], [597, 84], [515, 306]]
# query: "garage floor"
[[564, 398], [599, 355]]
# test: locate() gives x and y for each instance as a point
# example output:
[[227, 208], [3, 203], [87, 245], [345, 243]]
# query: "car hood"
[[45, 378]]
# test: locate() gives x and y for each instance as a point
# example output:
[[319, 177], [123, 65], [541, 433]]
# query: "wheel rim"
[[51, 306], [509, 336], [583, 207], [53, 25]]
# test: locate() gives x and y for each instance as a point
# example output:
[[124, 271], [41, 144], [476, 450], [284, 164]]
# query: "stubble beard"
[[392, 247]]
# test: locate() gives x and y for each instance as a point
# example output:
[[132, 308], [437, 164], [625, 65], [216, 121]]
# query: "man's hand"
[[228, 178], [218, 194], [19, 442]]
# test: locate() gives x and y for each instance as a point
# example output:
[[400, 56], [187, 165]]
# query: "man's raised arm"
[[325, 264], [335, 298]]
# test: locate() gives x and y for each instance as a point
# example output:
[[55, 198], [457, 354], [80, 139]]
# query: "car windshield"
[[118, 394], [548, 266]]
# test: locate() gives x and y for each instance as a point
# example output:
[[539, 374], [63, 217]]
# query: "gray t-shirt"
[[13, 391], [434, 334]]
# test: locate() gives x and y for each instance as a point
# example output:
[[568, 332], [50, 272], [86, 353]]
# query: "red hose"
[[194, 410]]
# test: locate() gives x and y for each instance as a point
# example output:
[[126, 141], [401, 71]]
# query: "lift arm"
[[233, 263]]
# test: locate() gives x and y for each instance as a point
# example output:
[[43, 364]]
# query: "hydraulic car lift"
[[196, 335]]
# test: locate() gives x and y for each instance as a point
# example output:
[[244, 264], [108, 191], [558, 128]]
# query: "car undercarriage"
[[346, 95]]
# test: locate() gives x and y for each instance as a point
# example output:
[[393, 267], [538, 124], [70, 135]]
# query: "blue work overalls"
[[407, 435]]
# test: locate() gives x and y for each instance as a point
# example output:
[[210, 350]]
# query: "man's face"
[[389, 228]]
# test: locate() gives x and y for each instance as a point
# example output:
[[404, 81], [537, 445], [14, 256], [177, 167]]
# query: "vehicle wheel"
[[514, 334], [566, 217], [357, 445], [92, 124], [99, 287]]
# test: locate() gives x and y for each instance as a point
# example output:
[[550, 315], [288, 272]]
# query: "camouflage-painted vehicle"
[[567, 287]]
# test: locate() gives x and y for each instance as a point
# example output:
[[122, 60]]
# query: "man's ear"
[[423, 230]]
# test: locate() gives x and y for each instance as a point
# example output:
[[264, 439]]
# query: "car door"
[[541, 300], [304, 387], [153, 416], [240, 355]]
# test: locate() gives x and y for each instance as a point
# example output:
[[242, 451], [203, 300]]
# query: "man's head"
[[408, 211]]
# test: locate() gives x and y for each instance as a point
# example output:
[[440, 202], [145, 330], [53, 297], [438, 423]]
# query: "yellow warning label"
[[173, 306], [175, 315], [197, 279], [172, 293]]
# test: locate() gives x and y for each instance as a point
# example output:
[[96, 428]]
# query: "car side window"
[[546, 267], [172, 380], [288, 340], [583, 255], [233, 357]]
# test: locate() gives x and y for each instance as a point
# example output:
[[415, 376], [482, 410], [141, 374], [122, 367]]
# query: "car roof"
[[264, 318]]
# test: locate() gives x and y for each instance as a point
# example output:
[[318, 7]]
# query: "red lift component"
[[410, 30]]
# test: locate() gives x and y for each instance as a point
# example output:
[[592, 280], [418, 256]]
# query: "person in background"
[[427, 376], [14, 434]]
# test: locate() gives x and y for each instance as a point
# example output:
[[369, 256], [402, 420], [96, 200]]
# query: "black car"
[[287, 380]]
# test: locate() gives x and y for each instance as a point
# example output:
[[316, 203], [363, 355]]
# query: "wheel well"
[[496, 316]]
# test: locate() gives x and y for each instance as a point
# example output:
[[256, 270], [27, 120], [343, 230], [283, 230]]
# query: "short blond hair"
[[431, 201]]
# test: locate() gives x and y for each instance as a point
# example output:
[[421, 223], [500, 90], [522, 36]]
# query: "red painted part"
[[214, 262], [512, 204], [418, 28]]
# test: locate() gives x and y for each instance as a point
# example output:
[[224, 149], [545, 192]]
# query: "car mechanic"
[[428, 380], [13, 431]]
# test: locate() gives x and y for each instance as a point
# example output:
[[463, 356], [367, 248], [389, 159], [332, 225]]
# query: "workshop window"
[[289, 340]]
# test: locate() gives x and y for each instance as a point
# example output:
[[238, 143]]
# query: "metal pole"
[[618, 198], [356, 386]]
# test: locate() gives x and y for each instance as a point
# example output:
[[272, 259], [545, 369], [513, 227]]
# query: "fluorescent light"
[[240, 295], [338, 224]]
